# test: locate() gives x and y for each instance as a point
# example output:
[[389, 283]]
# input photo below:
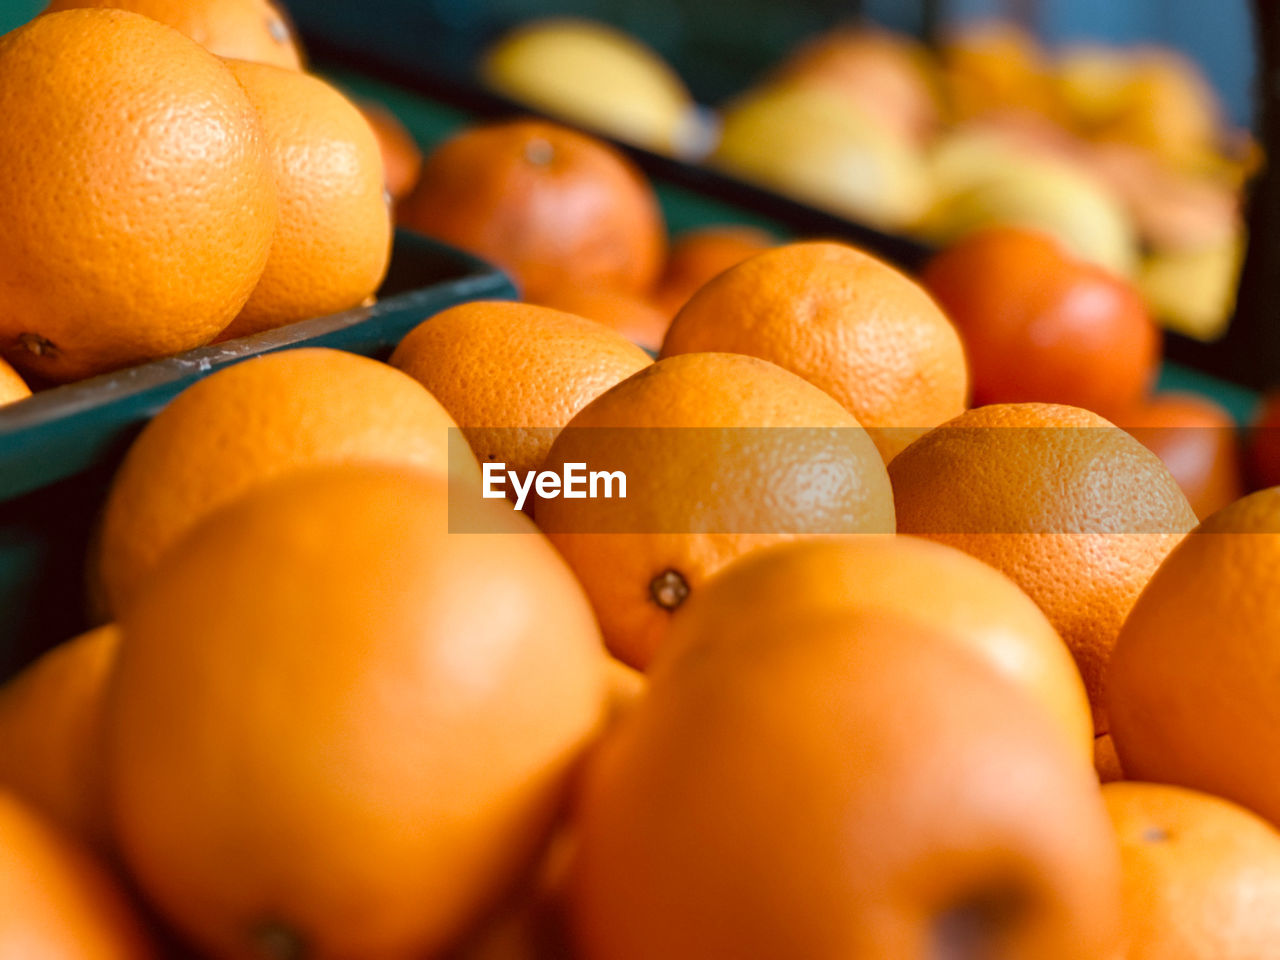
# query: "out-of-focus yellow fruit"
[[1193, 291], [811, 143], [1089, 83], [1041, 194], [995, 66], [888, 75], [595, 76]]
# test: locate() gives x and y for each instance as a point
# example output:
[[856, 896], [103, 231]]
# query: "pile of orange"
[[852, 617]]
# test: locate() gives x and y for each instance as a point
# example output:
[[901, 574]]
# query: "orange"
[[636, 318], [333, 240], [249, 423], [944, 589], [993, 67], [855, 786], [1106, 762], [50, 732], [139, 202], [1195, 437], [722, 454], [885, 74], [844, 321], [401, 158], [698, 256], [57, 900], [256, 30], [12, 386], [1191, 691], [1264, 443], [360, 743], [512, 374], [1074, 510], [1201, 875], [1041, 326], [552, 207]]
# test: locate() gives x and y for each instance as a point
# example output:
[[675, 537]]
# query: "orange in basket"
[[552, 207]]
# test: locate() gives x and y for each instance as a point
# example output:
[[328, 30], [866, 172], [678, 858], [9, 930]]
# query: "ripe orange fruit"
[[513, 374], [1106, 762], [722, 454], [1264, 443], [139, 203], [254, 30], [844, 321], [58, 900], [552, 207], [1073, 509], [50, 733], [333, 240], [361, 742], [942, 588], [637, 319], [1204, 714], [851, 786], [1041, 326], [401, 158], [12, 386], [249, 423], [698, 256], [1201, 875], [1196, 439]]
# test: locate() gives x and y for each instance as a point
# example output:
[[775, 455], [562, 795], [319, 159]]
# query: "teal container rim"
[[65, 430]]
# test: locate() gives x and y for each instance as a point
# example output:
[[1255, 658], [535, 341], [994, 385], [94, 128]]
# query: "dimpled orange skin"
[[12, 386], [637, 319], [242, 29], [699, 256], [252, 422], [844, 321], [1191, 690], [1201, 875], [975, 605], [56, 900], [698, 498], [932, 810], [553, 207], [1076, 512], [138, 197], [361, 743], [500, 367], [50, 733], [333, 240], [1106, 762]]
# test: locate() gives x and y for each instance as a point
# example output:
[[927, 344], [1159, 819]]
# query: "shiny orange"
[[1201, 875], [139, 205], [58, 901], [1196, 438], [698, 256], [360, 743], [513, 374], [254, 30], [51, 733], [248, 424], [846, 322], [333, 239], [1190, 691], [401, 158], [1073, 509], [723, 454], [553, 207], [978, 607], [1041, 326], [849, 786]]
